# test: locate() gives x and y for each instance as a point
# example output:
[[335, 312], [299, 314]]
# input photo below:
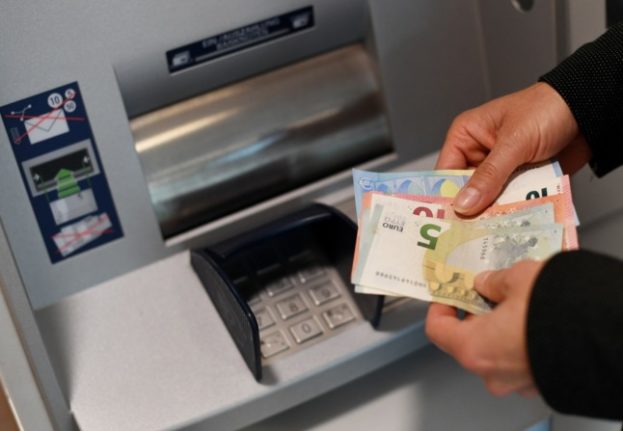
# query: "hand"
[[531, 125], [493, 345]]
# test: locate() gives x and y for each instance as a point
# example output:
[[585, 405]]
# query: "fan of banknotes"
[[410, 242]]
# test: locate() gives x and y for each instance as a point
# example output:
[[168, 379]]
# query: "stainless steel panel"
[[138, 34], [216, 153]]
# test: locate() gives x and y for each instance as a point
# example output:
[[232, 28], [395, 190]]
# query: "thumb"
[[492, 285], [489, 178]]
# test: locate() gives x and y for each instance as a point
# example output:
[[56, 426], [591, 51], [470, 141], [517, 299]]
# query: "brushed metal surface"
[[227, 149]]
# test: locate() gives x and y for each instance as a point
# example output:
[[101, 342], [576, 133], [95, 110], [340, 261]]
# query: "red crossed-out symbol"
[[40, 119]]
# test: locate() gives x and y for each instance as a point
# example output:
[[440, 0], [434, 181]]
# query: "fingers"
[[492, 285], [449, 158], [491, 175], [467, 142], [443, 326]]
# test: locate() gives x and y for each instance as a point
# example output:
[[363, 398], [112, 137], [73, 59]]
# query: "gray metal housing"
[[132, 340]]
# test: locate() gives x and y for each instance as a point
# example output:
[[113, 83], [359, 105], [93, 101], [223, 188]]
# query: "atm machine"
[[176, 207]]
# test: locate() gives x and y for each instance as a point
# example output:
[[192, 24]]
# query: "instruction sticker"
[[56, 153], [241, 38]]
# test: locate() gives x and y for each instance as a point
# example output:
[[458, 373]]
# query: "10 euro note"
[[540, 188], [398, 257]]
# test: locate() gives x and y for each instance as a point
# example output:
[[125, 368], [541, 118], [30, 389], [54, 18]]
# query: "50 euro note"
[[397, 256]]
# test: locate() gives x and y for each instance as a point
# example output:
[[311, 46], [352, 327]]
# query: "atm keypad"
[[273, 343], [338, 316], [299, 304], [305, 330], [308, 274], [264, 318], [291, 306], [274, 288], [323, 293]]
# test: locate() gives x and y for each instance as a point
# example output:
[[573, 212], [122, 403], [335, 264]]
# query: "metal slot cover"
[[228, 149]]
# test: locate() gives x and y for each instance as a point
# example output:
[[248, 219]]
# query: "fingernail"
[[466, 199]]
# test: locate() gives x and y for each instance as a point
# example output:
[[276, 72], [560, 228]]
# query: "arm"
[[557, 329], [575, 334], [574, 114], [591, 83]]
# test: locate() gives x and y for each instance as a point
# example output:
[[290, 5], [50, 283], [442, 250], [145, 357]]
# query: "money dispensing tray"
[[286, 285]]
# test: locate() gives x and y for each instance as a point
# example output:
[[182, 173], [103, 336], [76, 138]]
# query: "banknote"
[[431, 183], [524, 214], [564, 213], [404, 249], [450, 267], [511, 215], [446, 183], [529, 175], [548, 187], [440, 207]]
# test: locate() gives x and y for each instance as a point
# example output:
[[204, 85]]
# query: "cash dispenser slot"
[[285, 286], [225, 150]]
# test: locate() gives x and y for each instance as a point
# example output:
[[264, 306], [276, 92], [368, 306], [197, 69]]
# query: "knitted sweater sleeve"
[[591, 83]]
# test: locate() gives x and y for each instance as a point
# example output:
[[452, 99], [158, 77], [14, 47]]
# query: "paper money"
[[540, 189], [458, 255], [504, 216], [524, 214], [440, 207], [564, 213], [430, 183], [512, 215], [404, 249], [412, 243], [446, 183]]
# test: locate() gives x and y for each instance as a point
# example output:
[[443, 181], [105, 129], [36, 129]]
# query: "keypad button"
[[291, 306], [323, 293], [311, 272], [305, 330], [264, 318], [280, 285], [338, 316], [273, 343]]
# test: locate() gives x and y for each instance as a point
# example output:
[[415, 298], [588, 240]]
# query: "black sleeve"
[[591, 82], [575, 334]]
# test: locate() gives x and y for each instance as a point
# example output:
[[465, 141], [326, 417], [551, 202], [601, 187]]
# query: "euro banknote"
[[523, 214], [445, 183], [440, 207], [410, 255]]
